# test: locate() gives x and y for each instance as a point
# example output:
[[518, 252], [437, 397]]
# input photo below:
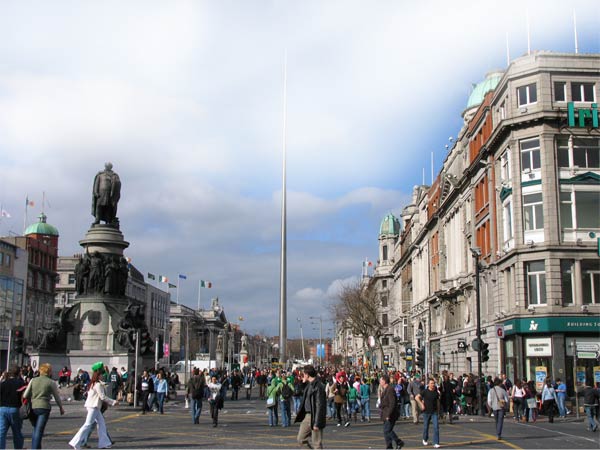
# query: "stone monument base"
[[76, 359]]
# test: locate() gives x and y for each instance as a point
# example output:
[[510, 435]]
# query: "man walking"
[[414, 389], [497, 400], [389, 413], [313, 410], [10, 395], [195, 392], [429, 400]]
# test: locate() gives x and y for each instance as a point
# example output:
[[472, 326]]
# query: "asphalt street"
[[244, 424]]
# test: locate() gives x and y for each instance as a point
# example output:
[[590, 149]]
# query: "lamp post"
[[320, 319], [301, 339], [476, 252]]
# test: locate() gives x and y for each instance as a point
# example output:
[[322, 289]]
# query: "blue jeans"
[[427, 418], [10, 418], [499, 417], [562, 409], [365, 410], [161, 401], [297, 402], [590, 412], [273, 417], [331, 407], [40, 425], [196, 409], [286, 414]]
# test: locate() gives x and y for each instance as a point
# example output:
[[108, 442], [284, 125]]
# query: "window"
[[582, 92], [1, 258], [505, 174], [530, 154], [533, 213], [405, 329], [536, 282], [566, 268], [560, 91], [385, 341], [507, 220], [384, 320], [527, 94], [590, 274], [384, 301], [71, 278], [579, 209], [502, 110], [578, 152], [385, 253], [7, 260], [384, 284]]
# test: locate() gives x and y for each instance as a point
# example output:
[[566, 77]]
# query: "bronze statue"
[[105, 196]]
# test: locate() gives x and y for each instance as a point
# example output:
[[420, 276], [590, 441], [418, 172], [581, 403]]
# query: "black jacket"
[[318, 404], [590, 396], [388, 404]]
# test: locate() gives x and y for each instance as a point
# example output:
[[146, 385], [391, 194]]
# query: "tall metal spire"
[[283, 273]]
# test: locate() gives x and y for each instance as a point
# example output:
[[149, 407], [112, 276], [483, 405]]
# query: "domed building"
[[478, 94], [388, 235], [43, 231]]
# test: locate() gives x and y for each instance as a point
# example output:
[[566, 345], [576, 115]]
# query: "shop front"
[[540, 347]]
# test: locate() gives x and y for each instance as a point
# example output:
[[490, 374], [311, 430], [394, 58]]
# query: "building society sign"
[[538, 347]]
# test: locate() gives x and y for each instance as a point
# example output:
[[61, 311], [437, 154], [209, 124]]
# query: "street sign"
[[475, 344], [409, 354], [462, 346], [386, 360], [587, 355], [500, 331]]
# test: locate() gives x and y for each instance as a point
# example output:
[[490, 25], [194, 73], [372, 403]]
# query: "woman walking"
[[518, 398], [549, 399], [215, 400], [39, 390], [272, 402], [161, 388], [96, 396]]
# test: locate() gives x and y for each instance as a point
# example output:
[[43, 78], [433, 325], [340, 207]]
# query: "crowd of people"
[[309, 396]]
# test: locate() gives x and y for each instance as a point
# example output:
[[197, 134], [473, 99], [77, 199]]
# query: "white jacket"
[[97, 395]]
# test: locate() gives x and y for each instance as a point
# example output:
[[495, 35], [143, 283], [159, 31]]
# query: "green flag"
[[151, 276]]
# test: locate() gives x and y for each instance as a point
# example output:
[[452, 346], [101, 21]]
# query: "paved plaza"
[[244, 424]]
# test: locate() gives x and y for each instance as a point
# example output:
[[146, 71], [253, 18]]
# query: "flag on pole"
[[367, 263], [151, 276], [183, 277], [205, 284], [29, 202], [172, 286], [162, 279]]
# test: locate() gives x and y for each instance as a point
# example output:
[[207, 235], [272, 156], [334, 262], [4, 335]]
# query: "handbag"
[[25, 409], [270, 402], [501, 403]]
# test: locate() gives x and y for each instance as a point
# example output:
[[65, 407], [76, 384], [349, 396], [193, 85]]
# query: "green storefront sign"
[[552, 325], [587, 117]]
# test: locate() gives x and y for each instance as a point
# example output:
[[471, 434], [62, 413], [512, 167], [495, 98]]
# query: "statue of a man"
[[105, 196]]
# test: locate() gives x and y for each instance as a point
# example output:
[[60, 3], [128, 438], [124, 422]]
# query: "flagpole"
[[25, 216], [575, 32], [528, 35], [199, 291], [178, 290], [283, 274]]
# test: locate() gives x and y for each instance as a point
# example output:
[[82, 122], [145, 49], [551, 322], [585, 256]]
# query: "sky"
[[185, 98]]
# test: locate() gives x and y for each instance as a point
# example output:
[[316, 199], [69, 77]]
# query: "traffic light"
[[161, 347], [18, 339], [420, 358], [485, 351], [145, 342]]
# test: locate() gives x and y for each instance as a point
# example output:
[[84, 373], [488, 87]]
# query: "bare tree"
[[358, 308]]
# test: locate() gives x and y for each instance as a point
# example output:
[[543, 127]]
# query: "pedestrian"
[[272, 403], [340, 399], [195, 392], [313, 410], [549, 400], [10, 402], [95, 399], [561, 396], [365, 400], [215, 399], [39, 390], [414, 389], [162, 388], [114, 383], [285, 398], [389, 413], [497, 400], [518, 398], [429, 400], [330, 391], [236, 382], [64, 377], [146, 387], [591, 399], [298, 393]]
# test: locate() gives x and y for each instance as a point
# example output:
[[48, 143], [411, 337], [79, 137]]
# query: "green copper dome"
[[489, 84], [41, 227], [390, 225]]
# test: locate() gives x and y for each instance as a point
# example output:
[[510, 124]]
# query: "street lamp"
[[320, 319], [476, 252], [301, 339]]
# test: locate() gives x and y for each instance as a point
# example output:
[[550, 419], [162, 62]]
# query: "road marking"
[[565, 434]]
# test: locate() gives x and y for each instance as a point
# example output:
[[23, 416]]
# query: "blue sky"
[[185, 99]]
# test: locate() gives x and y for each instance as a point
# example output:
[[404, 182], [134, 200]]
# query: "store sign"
[[552, 325], [535, 347], [585, 115]]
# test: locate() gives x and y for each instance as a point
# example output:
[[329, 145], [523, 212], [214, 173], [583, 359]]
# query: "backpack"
[[286, 391], [298, 391]]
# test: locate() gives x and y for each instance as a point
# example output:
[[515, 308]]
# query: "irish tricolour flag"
[[205, 284], [162, 279]]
